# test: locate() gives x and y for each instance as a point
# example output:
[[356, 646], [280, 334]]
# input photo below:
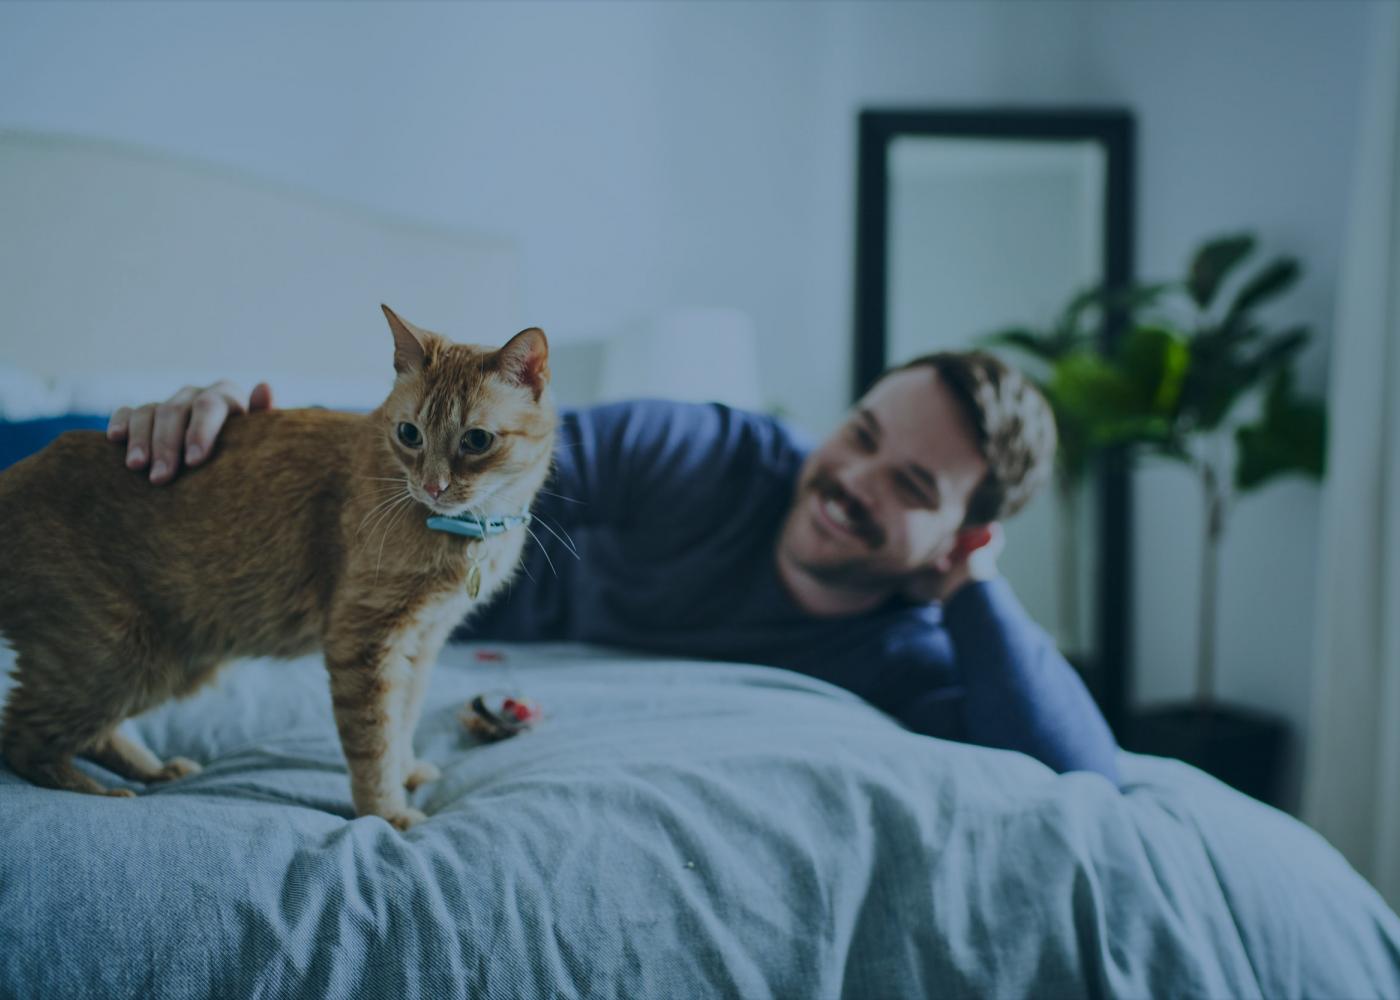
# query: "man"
[[700, 530]]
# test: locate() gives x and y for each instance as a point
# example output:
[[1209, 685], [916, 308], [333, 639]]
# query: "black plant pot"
[[1243, 748]]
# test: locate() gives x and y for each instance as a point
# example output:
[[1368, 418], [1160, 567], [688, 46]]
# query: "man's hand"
[[185, 426], [974, 557]]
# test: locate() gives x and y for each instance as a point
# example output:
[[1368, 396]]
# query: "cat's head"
[[472, 427]]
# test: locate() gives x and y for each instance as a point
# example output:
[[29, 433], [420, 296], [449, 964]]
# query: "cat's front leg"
[[367, 677], [419, 772]]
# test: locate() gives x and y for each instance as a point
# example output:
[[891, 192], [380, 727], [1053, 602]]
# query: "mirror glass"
[[984, 234]]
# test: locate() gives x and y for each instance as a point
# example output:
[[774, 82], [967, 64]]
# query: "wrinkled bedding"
[[671, 829]]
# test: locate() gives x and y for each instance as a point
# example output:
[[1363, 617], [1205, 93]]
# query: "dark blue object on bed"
[[671, 829], [21, 438]]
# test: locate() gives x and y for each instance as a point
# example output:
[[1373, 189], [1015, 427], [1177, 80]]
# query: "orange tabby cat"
[[309, 532]]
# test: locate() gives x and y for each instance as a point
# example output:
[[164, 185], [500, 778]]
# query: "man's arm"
[[1019, 692], [1013, 689], [657, 463]]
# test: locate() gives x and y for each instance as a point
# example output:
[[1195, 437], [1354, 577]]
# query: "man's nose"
[[435, 487]]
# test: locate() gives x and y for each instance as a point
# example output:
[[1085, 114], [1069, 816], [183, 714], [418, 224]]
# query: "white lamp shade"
[[693, 355]]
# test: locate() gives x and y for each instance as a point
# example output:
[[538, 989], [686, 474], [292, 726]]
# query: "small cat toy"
[[494, 716]]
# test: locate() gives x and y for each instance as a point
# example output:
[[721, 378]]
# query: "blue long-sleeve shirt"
[[675, 510]]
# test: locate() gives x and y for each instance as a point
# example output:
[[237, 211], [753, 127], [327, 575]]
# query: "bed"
[[670, 828]]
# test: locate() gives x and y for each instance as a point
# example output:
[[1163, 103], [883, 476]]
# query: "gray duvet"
[[672, 829]]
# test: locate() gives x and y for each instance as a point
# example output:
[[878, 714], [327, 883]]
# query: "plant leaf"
[[1141, 296], [1280, 350], [1073, 313], [1091, 388], [1290, 437], [1155, 360], [1213, 262], [1220, 373], [1106, 403], [1039, 345], [1273, 280]]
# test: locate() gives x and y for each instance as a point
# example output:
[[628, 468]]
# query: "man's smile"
[[831, 515], [840, 517]]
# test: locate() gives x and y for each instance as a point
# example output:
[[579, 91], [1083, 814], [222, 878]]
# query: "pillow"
[[21, 438]]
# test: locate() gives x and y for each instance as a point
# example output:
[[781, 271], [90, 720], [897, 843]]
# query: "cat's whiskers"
[[561, 496], [383, 505], [380, 494], [568, 544], [396, 481], [372, 514], [542, 549], [395, 513], [387, 510]]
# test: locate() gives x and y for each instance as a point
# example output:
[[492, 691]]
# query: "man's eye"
[[862, 437], [410, 435], [915, 496], [477, 440]]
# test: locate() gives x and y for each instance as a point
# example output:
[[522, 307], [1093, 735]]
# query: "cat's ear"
[[525, 360], [411, 345]]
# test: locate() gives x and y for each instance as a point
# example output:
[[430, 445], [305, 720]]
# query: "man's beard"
[[852, 572]]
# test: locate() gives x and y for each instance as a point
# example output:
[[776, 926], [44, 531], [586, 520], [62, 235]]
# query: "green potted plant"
[[1075, 330], [1070, 332], [1200, 379]]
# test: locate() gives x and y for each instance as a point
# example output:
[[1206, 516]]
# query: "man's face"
[[884, 497]]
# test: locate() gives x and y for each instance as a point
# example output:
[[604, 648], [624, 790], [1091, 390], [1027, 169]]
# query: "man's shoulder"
[[677, 434]]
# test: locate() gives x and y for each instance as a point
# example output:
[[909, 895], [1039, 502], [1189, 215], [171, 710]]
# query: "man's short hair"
[[1011, 422]]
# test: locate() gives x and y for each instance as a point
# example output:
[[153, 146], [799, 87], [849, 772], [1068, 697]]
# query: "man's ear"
[[967, 541], [412, 346]]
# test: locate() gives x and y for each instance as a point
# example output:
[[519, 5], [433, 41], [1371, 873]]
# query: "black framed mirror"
[[971, 221]]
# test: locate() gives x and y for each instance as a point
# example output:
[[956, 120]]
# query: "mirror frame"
[[1114, 130]]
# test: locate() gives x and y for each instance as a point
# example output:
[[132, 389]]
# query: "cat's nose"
[[435, 489]]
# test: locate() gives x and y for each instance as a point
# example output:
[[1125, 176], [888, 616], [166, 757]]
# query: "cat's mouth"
[[438, 506]]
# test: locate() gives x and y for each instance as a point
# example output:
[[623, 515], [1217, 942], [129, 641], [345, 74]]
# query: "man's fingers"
[[261, 398], [116, 426], [138, 436], [207, 416], [184, 427], [234, 398], [168, 435]]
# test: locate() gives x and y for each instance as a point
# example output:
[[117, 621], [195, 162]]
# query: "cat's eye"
[[411, 436], [477, 440]]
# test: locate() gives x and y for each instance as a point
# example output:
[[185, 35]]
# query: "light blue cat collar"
[[471, 526]]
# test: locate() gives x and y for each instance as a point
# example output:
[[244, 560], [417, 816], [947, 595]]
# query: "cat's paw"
[[421, 773], [402, 819], [177, 767], [119, 793]]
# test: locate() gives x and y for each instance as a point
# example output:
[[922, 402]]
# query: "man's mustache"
[[862, 523]]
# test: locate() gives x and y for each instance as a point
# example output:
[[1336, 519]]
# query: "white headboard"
[[116, 261]]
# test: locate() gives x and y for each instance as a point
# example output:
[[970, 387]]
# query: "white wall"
[[1248, 119], [645, 155]]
